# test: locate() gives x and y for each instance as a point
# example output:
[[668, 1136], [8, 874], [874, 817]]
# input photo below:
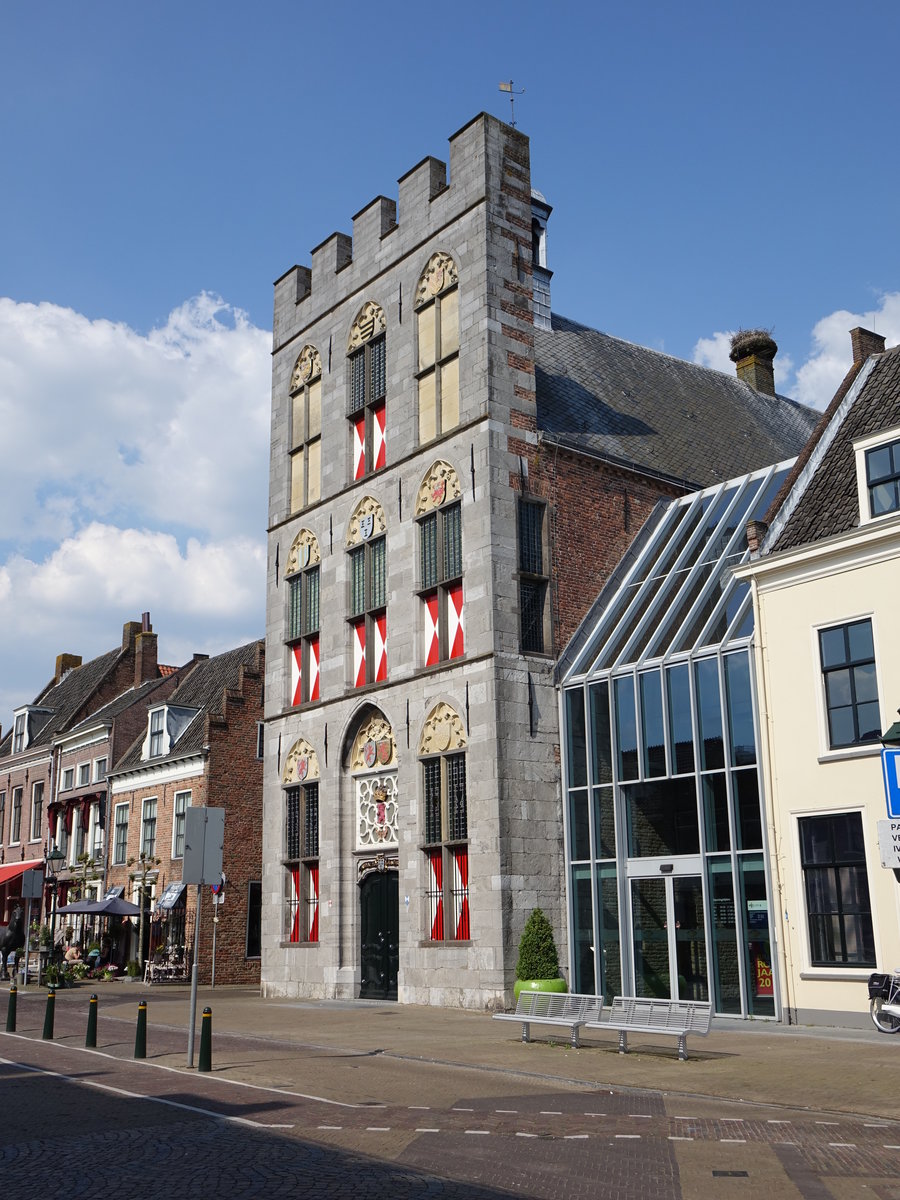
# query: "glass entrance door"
[[669, 937]]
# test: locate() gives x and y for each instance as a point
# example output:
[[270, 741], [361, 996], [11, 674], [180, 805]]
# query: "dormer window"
[[878, 474], [165, 726], [157, 719], [19, 733]]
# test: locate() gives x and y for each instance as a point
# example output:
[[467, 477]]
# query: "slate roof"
[[114, 707], [64, 699], [825, 500], [203, 689], [663, 415]]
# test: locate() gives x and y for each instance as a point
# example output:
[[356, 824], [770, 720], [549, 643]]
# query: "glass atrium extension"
[[666, 862]]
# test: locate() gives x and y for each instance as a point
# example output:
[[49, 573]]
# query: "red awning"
[[14, 870]]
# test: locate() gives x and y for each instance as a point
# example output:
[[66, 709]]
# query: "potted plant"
[[537, 969], [132, 969]]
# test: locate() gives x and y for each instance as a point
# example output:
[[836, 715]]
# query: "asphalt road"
[[97, 1123]]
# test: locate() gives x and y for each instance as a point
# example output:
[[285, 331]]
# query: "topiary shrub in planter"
[[537, 969]]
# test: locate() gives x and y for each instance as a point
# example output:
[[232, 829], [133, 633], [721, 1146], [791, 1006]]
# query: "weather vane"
[[508, 87]]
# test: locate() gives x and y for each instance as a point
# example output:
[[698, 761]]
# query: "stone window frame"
[[533, 561], [301, 834], [303, 618], [366, 541], [443, 758], [440, 564], [305, 453], [367, 391], [437, 347]]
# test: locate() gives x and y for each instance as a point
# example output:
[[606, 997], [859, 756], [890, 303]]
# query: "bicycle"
[[884, 1001]]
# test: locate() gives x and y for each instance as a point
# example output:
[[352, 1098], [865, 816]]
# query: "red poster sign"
[[765, 984]]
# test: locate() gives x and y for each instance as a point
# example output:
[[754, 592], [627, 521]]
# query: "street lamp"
[[54, 860]]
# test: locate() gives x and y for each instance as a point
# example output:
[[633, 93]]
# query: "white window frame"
[[826, 753], [175, 819], [100, 772], [36, 833], [883, 438], [84, 774], [154, 800], [68, 779], [115, 859]]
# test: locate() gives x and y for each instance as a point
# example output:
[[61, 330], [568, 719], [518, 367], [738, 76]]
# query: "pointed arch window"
[[300, 780], [445, 829], [439, 517], [367, 365], [367, 554], [306, 429], [437, 330], [302, 577]]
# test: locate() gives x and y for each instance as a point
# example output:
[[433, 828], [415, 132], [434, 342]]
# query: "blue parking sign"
[[890, 766]]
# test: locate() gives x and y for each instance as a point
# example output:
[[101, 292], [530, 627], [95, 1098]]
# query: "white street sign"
[[889, 843]]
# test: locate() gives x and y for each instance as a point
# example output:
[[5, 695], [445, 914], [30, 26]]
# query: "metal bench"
[[554, 1008], [646, 1014]]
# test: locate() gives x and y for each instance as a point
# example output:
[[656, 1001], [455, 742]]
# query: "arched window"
[[300, 779], [306, 429], [366, 550], [302, 577], [437, 327], [367, 362], [439, 517], [445, 825]]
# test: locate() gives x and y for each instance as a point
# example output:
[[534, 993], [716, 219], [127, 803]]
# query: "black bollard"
[[140, 1036], [90, 1038], [48, 1015], [204, 1062], [11, 1010]]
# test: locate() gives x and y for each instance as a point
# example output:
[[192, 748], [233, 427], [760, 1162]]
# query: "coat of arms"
[[302, 768], [384, 750], [370, 753], [439, 491], [366, 526]]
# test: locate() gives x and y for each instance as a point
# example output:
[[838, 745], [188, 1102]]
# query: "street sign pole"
[[204, 839]]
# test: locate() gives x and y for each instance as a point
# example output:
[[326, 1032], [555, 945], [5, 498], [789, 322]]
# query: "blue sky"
[[710, 165]]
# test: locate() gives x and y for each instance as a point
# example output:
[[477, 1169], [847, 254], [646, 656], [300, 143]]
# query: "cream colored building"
[[825, 576]]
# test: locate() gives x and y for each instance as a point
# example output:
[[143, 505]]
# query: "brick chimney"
[[755, 532], [130, 630], [64, 663], [864, 343], [145, 663], [753, 353]]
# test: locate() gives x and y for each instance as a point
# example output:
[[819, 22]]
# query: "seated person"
[[73, 954]]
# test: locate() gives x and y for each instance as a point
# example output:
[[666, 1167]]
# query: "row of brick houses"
[[101, 768]]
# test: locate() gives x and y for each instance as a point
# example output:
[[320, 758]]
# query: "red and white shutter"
[[359, 446], [461, 893], [378, 435], [313, 904], [380, 647], [313, 666], [436, 895], [296, 674], [432, 630], [359, 652], [456, 643], [294, 935]]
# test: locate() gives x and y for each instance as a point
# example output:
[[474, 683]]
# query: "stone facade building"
[[455, 471]]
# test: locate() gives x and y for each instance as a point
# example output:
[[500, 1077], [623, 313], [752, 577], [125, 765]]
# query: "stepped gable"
[[829, 504], [204, 689], [639, 407]]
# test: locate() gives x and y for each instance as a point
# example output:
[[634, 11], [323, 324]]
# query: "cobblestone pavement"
[[309, 1119]]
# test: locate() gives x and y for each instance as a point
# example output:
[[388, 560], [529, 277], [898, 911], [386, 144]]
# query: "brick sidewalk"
[[284, 1043]]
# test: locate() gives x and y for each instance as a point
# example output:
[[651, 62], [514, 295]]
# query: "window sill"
[[300, 945], [427, 944], [845, 753], [852, 974]]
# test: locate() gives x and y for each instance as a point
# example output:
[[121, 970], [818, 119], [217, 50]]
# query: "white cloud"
[[135, 478], [103, 423], [816, 380]]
